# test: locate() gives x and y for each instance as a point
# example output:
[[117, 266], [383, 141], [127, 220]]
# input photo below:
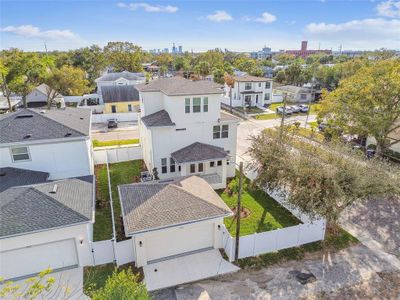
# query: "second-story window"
[[196, 105], [187, 105], [205, 104], [266, 96], [268, 85], [248, 86], [171, 165]]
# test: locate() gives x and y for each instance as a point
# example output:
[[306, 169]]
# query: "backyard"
[[120, 173], [264, 212], [97, 143]]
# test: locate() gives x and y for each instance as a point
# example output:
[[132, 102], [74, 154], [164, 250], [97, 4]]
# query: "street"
[[125, 131]]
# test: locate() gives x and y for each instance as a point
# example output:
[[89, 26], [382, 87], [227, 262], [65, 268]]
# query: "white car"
[[304, 108], [295, 109]]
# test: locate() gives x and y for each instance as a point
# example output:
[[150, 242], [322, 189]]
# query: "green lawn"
[[267, 116], [309, 133], [265, 213], [97, 143], [120, 173]]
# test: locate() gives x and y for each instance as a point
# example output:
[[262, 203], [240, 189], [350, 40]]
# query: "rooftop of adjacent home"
[[248, 78], [32, 124], [156, 205], [124, 74], [179, 86], [28, 205], [119, 93]]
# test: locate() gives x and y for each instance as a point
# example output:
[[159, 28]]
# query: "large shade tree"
[[124, 56], [320, 180], [367, 103]]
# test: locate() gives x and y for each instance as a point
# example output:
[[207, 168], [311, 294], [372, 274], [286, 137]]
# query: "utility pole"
[[283, 115], [309, 101], [238, 208]]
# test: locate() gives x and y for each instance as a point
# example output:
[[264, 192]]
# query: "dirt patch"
[[244, 212]]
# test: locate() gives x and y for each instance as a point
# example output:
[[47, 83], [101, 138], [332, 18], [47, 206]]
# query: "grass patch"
[[309, 133], [265, 213], [95, 277], [267, 116], [313, 124], [335, 240], [97, 143], [120, 173]]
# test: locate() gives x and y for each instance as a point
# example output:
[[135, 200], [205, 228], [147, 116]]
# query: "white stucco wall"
[[238, 98], [61, 158]]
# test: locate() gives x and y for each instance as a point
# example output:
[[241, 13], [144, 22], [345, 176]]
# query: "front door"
[[113, 109]]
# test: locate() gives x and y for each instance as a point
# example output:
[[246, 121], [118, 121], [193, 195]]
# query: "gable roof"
[[293, 89], [43, 88], [151, 206], [31, 208], [119, 93], [10, 177], [158, 119], [179, 86], [248, 78], [31, 124], [198, 152], [124, 74]]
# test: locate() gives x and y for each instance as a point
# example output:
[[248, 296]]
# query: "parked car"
[[295, 108], [304, 108], [112, 123], [322, 126], [283, 110]]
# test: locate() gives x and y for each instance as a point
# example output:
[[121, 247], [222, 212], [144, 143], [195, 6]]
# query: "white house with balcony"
[[184, 132], [249, 91]]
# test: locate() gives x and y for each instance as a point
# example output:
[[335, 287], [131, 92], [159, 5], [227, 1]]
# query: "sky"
[[241, 25]]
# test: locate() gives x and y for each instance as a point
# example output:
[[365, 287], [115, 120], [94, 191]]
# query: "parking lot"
[[124, 131]]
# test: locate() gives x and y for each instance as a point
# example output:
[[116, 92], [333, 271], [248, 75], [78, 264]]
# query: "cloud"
[[364, 33], [266, 18], [389, 8], [148, 7], [31, 31], [220, 16]]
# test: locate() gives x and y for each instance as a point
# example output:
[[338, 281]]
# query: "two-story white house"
[[55, 141], [249, 91], [184, 132]]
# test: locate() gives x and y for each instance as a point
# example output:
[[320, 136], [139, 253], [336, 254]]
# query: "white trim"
[[47, 141], [21, 160]]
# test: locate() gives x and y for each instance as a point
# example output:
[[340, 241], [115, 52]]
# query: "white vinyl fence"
[[117, 154], [125, 252], [121, 117], [103, 252]]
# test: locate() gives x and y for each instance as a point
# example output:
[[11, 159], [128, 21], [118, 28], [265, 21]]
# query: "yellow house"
[[120, 99]]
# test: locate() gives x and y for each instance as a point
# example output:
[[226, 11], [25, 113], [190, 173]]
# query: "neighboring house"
[[44, 224], [393, 138], [55, 141], [4, 107], [38, 97], [183, 130], [296, 94], [171, 218], [249, 91], [120, 99], [120, 78]]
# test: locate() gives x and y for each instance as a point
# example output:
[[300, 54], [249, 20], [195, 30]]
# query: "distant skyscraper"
[[180, 49], [173, 48]]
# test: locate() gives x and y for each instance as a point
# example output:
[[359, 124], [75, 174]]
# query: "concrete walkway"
[[348, 270]]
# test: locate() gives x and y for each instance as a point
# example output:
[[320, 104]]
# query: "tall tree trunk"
[[24, 101], [7, 92]]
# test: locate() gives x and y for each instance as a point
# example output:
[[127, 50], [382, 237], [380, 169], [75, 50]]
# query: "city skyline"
[[202, 25]]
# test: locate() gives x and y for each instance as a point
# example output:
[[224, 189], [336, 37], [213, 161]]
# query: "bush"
[[121, 285]]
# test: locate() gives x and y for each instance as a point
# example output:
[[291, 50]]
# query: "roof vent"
[[81, 118], [23, 116], [54, 190], [68, 134], [2, 173], [28, 136]]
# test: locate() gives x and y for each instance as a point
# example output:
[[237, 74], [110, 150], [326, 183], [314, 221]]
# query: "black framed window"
[[225, 131], [212, 164], [219, 163], [216, 132], [268, 85], [192, 168], [164, 165], [172, 165], [201, 167]]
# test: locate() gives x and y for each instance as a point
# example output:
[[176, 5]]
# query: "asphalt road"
[[125, 131]]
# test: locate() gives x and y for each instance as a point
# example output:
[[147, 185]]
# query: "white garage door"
[[34, 259], [179, 240]]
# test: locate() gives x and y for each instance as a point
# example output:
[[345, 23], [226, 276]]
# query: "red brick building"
[[304, 52]]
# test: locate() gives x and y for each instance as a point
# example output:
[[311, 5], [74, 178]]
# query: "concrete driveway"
[[124, 131]]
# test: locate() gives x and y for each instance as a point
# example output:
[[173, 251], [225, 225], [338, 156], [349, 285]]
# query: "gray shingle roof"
[[125, 74], [198, 152], [119, 93], [52, 124], [248, 78], [158, 119], [179, 86], [32, 208], [150, 206], [43, 88], [10, 177]]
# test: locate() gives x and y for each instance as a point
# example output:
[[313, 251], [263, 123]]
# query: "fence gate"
[[125, 252], [103, 252]]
